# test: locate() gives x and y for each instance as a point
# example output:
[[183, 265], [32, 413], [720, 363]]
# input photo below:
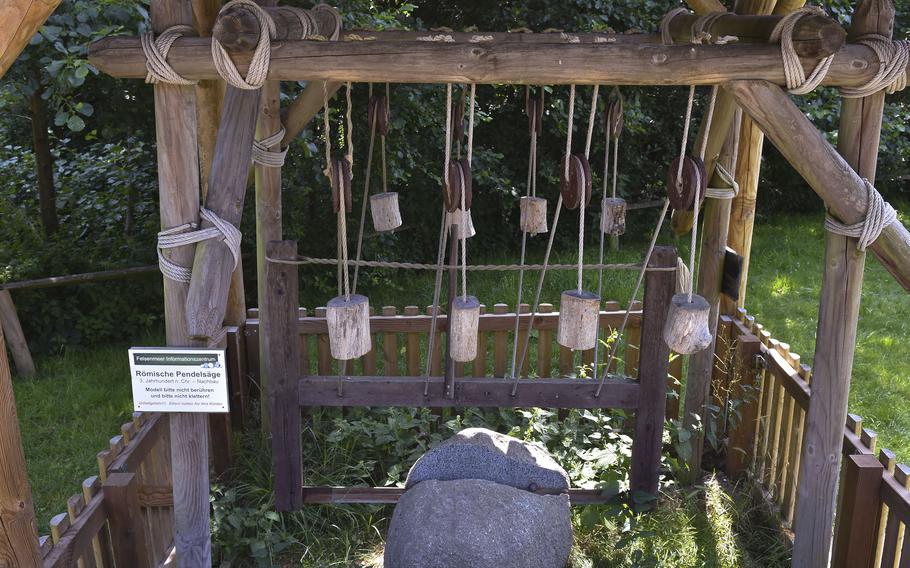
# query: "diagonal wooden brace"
[[810, 154]]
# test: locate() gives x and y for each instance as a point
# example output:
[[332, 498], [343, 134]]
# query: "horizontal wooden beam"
[[494, 62], [819, 163], [469, 392], [326, 494], [52, 281]]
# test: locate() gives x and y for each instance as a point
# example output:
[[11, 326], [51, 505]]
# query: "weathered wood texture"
[[486, 392], [835, 345], [822, 167], [491, 63], [178, 187], [284, 356], [858, 519], [121, 500], [742, 432], [15, 338], [18, 533], [652, 377], [19, 20]]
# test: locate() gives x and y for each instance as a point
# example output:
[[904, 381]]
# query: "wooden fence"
[[124, 515], [766, 439]]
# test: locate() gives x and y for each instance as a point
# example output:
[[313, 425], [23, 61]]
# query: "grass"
[[70, 410]]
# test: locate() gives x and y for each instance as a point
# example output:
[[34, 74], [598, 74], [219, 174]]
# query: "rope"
[[188, 234], [603, 204], [697, 204], [641, 277], [366, 193], [893, 56], [879, 214], [259, 64], [342, 208], [723, 192], [326, 130], [265, 157], [797, 82], [581, 209], [569, 136], [666, 37], [158, 70], [464, 211], [308, 260]]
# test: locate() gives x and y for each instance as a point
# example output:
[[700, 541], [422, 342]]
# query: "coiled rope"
[[270, 158], [188, 234], [259, 64], [879, 214], [158, 70]]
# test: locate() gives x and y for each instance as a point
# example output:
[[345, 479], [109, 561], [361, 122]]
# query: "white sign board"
[[169, 379]]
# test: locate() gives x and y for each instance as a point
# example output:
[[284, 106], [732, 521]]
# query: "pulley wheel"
[[458, 120], [578, 184], [467, 183], [341, 181], [378, 114], [694, 179], [613, 117], [452, 187], [535, 114]]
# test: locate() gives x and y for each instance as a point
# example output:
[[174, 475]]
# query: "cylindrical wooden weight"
[[533, 215], [385, 212], [348, 320], [613, 216], [686, 330], [578, 315], [465, 320], [461, 224]]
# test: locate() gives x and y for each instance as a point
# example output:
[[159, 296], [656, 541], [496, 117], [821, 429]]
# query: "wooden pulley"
[[348, 322], [577, 185], [385, 211], [694, 179], [613, 117], [341, 181], [459, 180], [461, 224], [534, 109], [613, 216], [378, 114], [533, 215], [579, 313], [687, 330], [458, 120], [464, 324]]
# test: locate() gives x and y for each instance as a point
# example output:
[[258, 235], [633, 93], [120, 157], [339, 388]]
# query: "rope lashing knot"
[[879, 214], [723, 192], [155, 49], [268, 158], [259, 64], [797, 82], [893, 57], [699, 31], [188, 234]]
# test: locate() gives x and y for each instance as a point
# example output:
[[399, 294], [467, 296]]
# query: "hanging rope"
[[268, 158], [797, 82], [581, 208], [259, 64], [158, 70], [188, 234], [893, 57], [464, 212], [395, 265], [697, 205], [879, 214], [366, 193]]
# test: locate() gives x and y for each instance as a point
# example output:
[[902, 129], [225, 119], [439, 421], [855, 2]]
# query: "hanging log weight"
[[578, 183], [578, 315], [341, 181], [687, 330], [464, 325], [348, 322], [385, 211], [613, 117], [613, 216], [682, 194], [534, 109], [533, 215], [378, 114]]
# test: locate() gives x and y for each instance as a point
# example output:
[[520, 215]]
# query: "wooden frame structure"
[[751, 74]]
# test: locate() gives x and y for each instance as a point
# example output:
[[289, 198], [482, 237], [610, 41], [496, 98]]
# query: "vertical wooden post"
[[178, 186], [655, 359], [128, 539], [716, 221], [742, 433], [18, 531], [280, 325], [834, 348], [268, 224], [15, 339], [858, 520]]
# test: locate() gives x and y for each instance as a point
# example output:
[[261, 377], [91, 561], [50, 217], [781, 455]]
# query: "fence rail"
[[768, 439]]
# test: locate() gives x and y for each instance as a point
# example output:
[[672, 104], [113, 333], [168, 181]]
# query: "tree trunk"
[[44, 163]]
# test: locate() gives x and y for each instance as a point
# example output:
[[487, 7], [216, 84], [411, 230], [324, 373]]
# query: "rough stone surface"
[[474, 523], [478, 453]]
